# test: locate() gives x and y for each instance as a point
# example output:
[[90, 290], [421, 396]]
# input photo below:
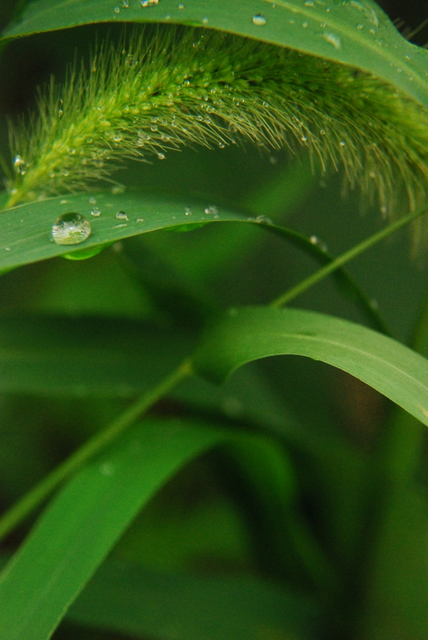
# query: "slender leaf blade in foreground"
[[83, 523], [251, 333]]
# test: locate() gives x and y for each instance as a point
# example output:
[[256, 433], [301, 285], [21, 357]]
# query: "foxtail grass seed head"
[[180, 86]]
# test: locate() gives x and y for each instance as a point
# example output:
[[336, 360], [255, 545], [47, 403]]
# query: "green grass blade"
[[83, 523], [26, 229], [251, 333], [357, 32]]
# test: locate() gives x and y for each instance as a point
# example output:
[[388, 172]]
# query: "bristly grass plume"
[[177, 86]]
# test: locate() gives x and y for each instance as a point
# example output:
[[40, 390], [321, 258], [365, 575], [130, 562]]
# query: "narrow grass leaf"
[[83, 523], [248, 334]]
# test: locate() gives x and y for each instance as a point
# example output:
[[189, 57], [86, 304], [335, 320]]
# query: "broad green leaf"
[[86, 356], [180, 607], [354, 32], [251, 333], [83, 523]]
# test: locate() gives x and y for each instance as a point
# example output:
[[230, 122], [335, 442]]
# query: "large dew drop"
[[259, 20], [71, 228]]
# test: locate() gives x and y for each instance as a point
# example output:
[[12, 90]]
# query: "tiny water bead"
[[71, 228], [20, 165], [96, 212], [259, 20], [333, 38], [148, 3], [121, 215]]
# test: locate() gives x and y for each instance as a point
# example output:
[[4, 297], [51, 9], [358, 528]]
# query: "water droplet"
[[106, 469], [148, 3], [125, 4], [309, 3], [116, 9], [333, 39], [205, 20], [20, 165], [187, 212], [263, 219], [360, 26], [95, 211], [121, 215], [181, 6], [259, 20], [92, 200], [342, 143], [211, 210], [305, 25], [140, 220], [7, 248], [71, 228], [161, 156], [374, 304]]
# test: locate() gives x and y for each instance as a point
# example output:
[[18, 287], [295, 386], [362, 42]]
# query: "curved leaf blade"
[[26, 229], [83, 523], [354, 32], [251, 333]]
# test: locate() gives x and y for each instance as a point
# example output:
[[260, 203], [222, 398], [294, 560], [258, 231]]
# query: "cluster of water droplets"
[[73, 228]]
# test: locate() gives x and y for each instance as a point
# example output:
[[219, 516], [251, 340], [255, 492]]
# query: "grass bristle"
[[159, 91]]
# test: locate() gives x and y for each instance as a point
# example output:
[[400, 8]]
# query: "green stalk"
[[41, 491], [349, 255]]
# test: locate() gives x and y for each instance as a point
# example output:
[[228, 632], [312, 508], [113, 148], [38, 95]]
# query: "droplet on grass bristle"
[[71, 228], [20, 165]]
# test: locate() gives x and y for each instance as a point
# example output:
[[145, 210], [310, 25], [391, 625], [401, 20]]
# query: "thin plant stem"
[[349, 255], [40, 492]]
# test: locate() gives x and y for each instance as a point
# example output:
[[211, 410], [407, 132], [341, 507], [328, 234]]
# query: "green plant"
[[290, 500]]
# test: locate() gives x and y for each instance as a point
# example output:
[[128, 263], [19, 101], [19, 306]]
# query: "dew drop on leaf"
[[148, 3], [121, 215], [71, 228], [333, 39], [259, 20]]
